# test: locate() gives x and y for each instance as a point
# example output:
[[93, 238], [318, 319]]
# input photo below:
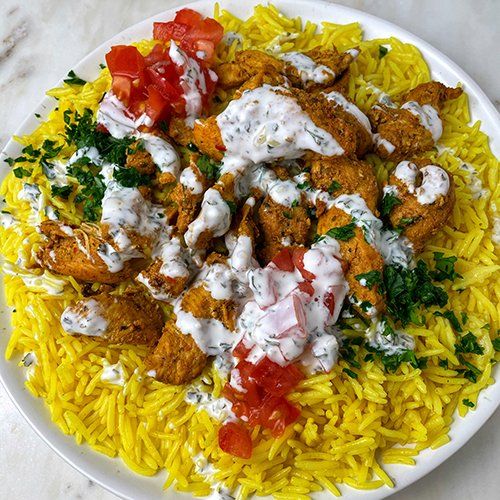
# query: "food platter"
[[112, 474]]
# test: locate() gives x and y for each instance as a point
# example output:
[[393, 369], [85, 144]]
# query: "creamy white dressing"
[[112, 374], [267, 124], [56, 172], [45, 282], [350, 108], [190, 181], [192, 81], [308, 69], [428, 117], [475, 184], [232, 36], [85, 318], [36, 199], [393, 343], [218, 408], [218, 280], [7, 220], [117, 120], [215, 216], [382, 142], [435, 181], [164, 155]]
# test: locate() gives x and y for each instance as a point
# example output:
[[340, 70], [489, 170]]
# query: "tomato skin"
[[156, 106], [125, 60], [284, 260], [122, 88], [306, 287], [188, 16], [298, 261], [170, 30], [241, 351], [236, 440], [276, 380], [329, 302], [207, 29]]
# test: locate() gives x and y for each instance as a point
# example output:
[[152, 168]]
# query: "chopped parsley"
[[408, 289], [73, 79], [350, 373], [208, 167], [21, 172], [445, 268], [392, 362], [371, 278], [304, 185], [343, 233], [131, 177], [496, 344], [348, 352], [382, 51], [450, 316], [389, 201], [334, 186], [295, 203], [287, 214], [470, 372], [192, 147], [468, 344], [443, 363], [232, 206], [61, 191], [467, 402], [464, 317]]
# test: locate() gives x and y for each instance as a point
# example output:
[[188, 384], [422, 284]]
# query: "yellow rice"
[[349, 428]]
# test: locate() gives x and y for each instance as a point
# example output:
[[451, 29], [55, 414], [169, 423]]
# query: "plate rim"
[[484, 411]]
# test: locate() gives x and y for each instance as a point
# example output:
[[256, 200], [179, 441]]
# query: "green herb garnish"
[[72, 79], [389, 201], [61, 191], [371, 278], [343, 233], [382, 51], [232, 206], [450, 316], [208, 167], [468, 403], [334, 186], [468, 344], [131, 177], [445, 267]]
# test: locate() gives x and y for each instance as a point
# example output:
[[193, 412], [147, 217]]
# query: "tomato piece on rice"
[[235, 440]]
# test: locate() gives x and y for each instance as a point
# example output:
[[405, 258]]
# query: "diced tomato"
[[122, 87], [284, 260], [101, 128], [277, 380], [236, 440], [298, 260], [329, 302], [241, 351], [207, 29], [125, 60], [156, 106], [306, 287], [277, 413], [163, 78], [188, 16], [171, 30], [158, 54], [201, 49]]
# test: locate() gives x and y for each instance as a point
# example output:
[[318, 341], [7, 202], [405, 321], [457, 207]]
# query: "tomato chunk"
[[188, 16], [125, 60], [329, 302], [283, 260], [277, 380], [236, 440], [170, 30], [298, 261]]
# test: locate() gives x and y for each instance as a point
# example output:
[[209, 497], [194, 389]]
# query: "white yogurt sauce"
[[428, 117], [308, 69], [112, 374], [7, 220], [218, 408], [85, 318], [190, 181], [350, 108], [45, 282], [113, 115], [215, 216], [266, 124], [382, 142], [407, 173], [162, 152], [475, 184], [192, 81], [394, 343]]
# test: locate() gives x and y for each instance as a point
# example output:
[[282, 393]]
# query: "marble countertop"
[[41, 39]]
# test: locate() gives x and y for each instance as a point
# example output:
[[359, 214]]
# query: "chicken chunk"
[[323, 113], [413, 128], [360, 257], [188, 194], [140, 159], [170, 272], [131, 318], [427, 198], [176, 359], [281, 226], [75, 252], [179, 131], [433, 93], [246, 64], [343, 175]]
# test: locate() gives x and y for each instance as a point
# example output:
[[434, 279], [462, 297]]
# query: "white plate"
[[112, 474]]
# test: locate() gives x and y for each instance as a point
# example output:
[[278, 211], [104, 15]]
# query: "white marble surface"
[[41, 39]]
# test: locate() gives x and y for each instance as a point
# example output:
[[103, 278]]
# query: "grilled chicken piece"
[[281, 226], [415, 127], [177, 359], [75, 252], [343, 175], [131, 318], [359, 256], [427, 196]]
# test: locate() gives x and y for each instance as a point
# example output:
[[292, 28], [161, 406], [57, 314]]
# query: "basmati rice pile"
[[349, 427]]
